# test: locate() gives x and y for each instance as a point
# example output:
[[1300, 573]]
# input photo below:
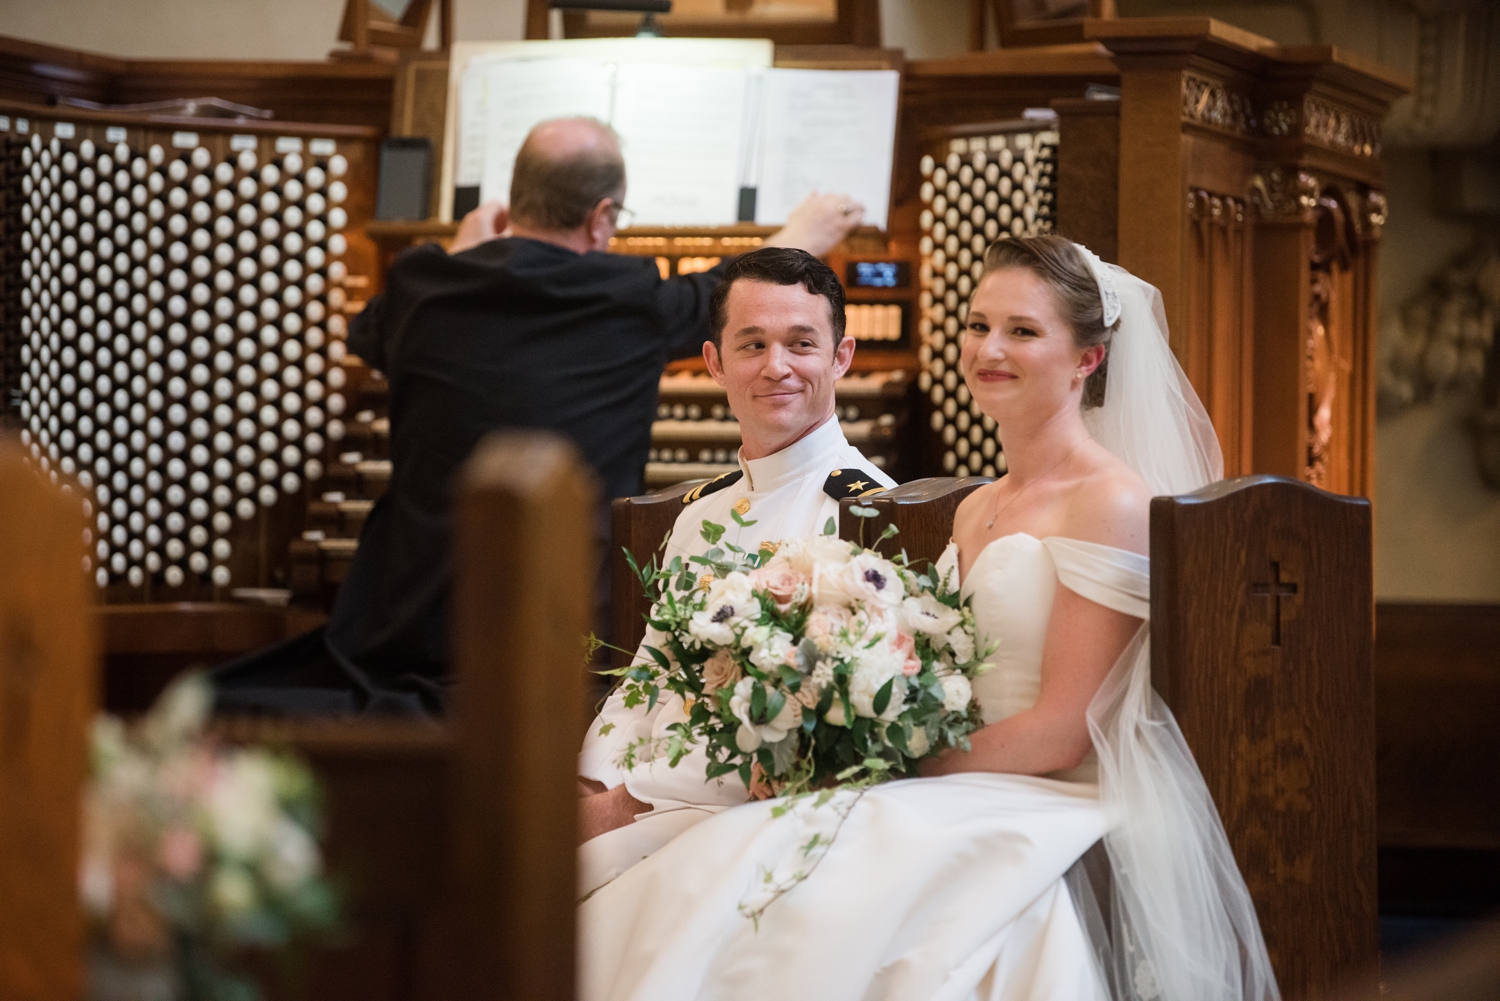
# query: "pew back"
[[1262, 633], [456, 841], [639, 525], [48, 683]]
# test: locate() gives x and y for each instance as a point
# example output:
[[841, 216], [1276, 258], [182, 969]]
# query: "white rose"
[[751, 734], [773, 651], [919, 744], [242, 804], [830, 586], [294, 856], [956, 693], [925, 614], [872, 670], [835, 713], [873, 623], [963, 646], [731, 602], [232, 891]]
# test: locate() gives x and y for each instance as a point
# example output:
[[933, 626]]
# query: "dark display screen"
[[878, 274]]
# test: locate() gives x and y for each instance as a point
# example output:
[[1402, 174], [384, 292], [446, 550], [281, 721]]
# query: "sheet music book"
[[467, 141], [825, 130], [707, 128]]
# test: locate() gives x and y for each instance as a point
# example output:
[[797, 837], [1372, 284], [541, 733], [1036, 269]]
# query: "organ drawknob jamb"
[[152, 282]]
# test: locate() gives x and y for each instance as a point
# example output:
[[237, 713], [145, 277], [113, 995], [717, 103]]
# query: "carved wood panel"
[[1219, 347]]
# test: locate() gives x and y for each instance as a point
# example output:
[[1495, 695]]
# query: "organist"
[[526, 321]]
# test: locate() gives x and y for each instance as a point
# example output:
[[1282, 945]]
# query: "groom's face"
[[777, 361]]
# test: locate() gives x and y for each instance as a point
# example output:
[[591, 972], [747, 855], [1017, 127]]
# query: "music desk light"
[[647, 8]]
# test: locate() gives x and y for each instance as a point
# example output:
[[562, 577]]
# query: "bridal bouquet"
[[818, 660]]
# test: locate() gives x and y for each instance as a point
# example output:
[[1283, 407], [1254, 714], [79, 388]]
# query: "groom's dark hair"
[[778, 266]]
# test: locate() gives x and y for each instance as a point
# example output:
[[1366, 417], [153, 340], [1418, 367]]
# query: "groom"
[[778, 345]]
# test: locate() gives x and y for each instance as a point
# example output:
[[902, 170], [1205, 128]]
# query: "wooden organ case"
[[175, 297]]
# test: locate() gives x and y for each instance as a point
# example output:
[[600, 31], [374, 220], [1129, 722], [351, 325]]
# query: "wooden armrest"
[[641, 525], [921, 510]]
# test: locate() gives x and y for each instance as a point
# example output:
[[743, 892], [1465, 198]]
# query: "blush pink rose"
[[905, 645], [825, 624], [786, 586], [181, 853]]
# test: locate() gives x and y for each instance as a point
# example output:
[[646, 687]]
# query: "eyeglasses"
[[623, 217]]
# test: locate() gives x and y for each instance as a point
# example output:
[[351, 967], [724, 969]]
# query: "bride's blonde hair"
[[1057, 262]]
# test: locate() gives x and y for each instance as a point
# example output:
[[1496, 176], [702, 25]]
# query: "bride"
[[1074, 851]]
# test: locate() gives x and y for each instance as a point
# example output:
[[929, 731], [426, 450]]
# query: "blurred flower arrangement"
[[194, 853]]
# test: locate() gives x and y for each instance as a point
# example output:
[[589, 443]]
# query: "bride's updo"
[[1057, 262]]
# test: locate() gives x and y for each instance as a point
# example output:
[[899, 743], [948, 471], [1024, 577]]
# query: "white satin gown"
[[934, 888]]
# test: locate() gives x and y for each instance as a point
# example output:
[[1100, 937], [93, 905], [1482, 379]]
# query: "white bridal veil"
[[1178, 923]]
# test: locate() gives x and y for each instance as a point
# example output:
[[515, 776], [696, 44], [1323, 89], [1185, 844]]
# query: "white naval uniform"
[[786, 498]]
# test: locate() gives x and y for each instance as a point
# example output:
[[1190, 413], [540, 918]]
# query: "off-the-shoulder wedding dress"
[[933, 888]]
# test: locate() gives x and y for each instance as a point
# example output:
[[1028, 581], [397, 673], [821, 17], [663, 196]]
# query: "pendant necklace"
[[998, 507]]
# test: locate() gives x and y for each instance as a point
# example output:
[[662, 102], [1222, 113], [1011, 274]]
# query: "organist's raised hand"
[[819, 224], [488, 221]]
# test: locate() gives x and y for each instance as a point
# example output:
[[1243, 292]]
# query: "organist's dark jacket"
[[512, 333]]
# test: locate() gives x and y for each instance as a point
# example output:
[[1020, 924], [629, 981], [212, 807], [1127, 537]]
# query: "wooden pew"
[[48, 677], [1261, 642], [454, 843], [457, 840]]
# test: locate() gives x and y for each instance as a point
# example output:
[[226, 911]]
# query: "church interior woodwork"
[[175, 295]]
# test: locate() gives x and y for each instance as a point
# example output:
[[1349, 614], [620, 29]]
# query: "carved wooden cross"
[[1275, 590]]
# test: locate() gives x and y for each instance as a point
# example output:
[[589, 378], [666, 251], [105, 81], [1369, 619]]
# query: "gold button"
[[706, 581], [742, 507]]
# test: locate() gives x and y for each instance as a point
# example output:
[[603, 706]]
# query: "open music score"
[[711, 132]]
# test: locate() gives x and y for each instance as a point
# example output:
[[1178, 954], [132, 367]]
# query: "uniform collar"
[[806, 455]]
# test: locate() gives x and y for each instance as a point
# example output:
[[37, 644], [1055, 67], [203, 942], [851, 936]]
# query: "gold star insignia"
[[857, 485], [742, 507]]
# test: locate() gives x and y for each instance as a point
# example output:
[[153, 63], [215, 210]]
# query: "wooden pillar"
[[1248, 192], [1187, 134], [48, 683], [523, 601], [1320, 211]]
